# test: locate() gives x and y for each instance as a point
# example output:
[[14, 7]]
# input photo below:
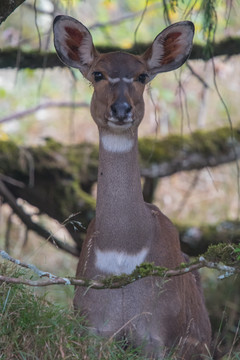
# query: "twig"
[[111, 283], [38, 10], [197, 76], [40, 273], [12, 181], [188, 193], [126, 324], [140, 21], [125, 17], [32, 110]]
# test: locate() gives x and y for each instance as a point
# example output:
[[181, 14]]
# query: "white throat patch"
[[118, 262], [116, 143]]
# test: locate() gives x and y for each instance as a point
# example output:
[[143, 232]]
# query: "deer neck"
[[121, 211]]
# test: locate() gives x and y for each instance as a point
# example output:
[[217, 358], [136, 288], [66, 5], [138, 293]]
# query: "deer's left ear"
[[170, 49]]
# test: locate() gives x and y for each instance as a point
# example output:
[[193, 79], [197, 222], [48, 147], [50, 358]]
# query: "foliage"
[[223, 303], [237, 250]]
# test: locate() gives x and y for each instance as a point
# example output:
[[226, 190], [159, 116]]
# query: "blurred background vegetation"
[[44, 116]]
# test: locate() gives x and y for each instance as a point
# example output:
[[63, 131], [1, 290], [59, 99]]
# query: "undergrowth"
[[32, 328]]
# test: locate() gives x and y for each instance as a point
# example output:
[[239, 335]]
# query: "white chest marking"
[[117, 143], [118, 262]]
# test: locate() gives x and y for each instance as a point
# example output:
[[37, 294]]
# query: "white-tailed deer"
[[127, 231]]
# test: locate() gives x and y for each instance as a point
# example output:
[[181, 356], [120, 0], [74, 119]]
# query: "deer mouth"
[[116, 123]]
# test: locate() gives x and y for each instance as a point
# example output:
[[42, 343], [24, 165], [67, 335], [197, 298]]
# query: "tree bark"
[[7, 7]]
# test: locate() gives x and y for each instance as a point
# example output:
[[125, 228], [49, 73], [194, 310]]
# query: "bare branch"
[[38, 10], [40, 273], [32, 110], [10, 180], [197, 76], [123, 18]]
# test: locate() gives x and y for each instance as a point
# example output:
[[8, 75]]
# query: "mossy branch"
[[58, 179], [176, 153], [35, 59], [219, 252]]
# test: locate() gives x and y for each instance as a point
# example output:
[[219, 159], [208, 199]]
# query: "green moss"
[[183, 265], [119, 281], [213, 142], [224, 253], [87, 198], [141, 271], [204, 143], [8, 147], [146, 269], [9, 157], [152, 150], [52, 145], [83, 157]]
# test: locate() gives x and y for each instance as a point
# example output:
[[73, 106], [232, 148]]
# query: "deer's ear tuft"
[[170, 49], [73, 43]]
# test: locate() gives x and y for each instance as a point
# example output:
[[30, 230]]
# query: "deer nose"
[[121, 109]]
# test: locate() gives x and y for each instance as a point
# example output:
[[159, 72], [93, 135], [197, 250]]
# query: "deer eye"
[[98, 76], [142, 78]]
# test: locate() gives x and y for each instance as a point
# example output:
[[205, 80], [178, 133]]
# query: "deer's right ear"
[[73, 43]]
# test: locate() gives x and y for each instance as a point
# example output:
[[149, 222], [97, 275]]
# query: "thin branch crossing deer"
[[160, 315]]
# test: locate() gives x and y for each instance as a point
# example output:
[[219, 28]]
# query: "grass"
[[32, 327]]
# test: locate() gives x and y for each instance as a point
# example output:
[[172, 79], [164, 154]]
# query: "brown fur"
[[160, 315]]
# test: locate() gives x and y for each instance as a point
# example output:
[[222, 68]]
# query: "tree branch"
[[115, 282], [11, 58], [201, 149], [32, 110], [26, 219]]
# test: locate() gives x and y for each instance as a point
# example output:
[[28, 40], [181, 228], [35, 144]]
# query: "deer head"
[[119, 78]]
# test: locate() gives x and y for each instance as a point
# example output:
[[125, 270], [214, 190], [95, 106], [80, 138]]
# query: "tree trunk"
[[7, 7]]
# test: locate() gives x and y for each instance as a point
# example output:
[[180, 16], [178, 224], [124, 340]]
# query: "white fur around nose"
[[117, 143], [118, 262]]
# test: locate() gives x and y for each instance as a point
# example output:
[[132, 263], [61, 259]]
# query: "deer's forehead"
[[120, 65]]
